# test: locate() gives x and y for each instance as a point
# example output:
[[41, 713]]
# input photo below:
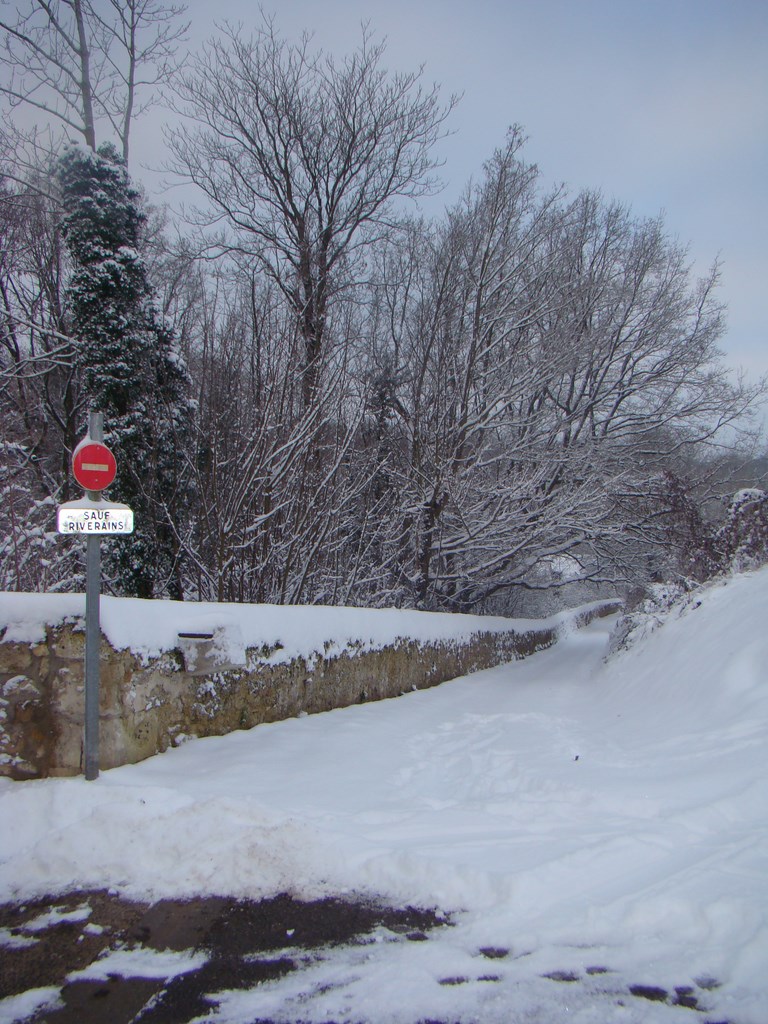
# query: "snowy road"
[[605, 822]]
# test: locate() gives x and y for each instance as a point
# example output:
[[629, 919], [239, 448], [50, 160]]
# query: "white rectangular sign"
[[73, 519]]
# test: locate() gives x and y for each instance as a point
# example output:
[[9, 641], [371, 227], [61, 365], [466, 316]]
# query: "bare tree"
[[80, 62], [40, 398], [275, 482], [302, 157], [555, 359], [37, 377]]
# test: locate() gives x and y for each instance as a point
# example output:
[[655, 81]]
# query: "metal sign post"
[[94, 468], [92, 627], [92, 642]]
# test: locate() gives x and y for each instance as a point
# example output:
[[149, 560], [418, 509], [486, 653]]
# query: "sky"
[[660, 104]]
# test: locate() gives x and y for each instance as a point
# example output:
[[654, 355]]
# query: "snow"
[[605, 820], [58, 916], [12, 940], [748, 494], [150, 627], [23, 1006], [25, 616], [140, 963]]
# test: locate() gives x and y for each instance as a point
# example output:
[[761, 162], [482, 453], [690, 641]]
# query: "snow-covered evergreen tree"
[[131, 370]]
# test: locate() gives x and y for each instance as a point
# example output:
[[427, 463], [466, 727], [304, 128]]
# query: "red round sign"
[[94, 465]]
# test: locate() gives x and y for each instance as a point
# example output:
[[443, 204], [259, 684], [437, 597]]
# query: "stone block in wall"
[[14, 658], [67, 643], [26, 725]]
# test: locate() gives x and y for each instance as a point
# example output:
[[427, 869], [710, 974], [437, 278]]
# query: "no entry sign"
[[93, 465]]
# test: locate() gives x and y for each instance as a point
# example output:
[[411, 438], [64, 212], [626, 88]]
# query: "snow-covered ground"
[[605, 821]]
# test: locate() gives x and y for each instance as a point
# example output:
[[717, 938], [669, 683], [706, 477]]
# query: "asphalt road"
[[245, 943]]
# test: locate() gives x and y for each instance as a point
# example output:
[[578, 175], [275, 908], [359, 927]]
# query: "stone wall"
[[146, 708]]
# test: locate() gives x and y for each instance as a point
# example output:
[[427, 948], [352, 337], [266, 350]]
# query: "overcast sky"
[[661, 104]]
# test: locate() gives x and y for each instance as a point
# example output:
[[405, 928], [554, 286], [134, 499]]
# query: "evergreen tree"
[[131, 371]]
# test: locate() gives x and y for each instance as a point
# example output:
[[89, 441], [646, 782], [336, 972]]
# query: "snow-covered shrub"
[[646, 609], [739, 545], [695, 553], [33, 557], [744, 535]]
